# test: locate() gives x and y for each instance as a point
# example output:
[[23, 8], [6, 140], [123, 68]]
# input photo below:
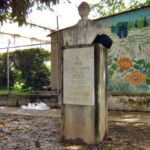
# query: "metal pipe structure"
[[19, 46], [57, 19], [8, 89]]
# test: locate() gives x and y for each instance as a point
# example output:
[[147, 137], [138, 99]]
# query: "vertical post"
[[8, 90], [58, 55], [58, 65], [57, 24]]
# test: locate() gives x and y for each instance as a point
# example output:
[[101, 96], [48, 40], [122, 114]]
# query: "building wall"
[[129, 57]]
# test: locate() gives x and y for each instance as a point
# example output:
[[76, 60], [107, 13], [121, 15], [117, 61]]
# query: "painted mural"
[[129, 57]]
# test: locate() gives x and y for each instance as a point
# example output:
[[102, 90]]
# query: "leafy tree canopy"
[[110, 7], [18, 10], [26, 67]]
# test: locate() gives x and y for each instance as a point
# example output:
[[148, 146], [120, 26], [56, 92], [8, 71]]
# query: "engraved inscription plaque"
[[78, 76]]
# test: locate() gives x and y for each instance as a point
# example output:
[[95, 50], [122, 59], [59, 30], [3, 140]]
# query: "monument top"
[[84, 9], [84, 32]]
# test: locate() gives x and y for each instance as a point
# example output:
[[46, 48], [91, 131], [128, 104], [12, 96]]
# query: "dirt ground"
[[127, 136], [19, 132]]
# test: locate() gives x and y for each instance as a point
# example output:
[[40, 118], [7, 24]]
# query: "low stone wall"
[[13, 101], [16, 101], [136, 102], [115, 102], [50, 99]]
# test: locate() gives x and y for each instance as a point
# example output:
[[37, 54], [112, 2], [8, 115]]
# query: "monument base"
[[84, 113], [78, 124]]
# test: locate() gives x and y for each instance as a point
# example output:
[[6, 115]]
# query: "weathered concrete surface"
[[48, 97], [129, 103], [13, 101], [85, 109], [56, 61], [101, 85], [79, 124]]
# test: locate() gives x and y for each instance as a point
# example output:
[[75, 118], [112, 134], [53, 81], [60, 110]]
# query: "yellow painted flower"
[[136, 78]]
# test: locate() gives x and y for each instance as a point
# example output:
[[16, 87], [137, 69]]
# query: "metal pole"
[[58, 55], [8, 90]]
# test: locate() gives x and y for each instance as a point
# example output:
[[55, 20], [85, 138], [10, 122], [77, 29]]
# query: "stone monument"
[[84, 111], [84, 31]]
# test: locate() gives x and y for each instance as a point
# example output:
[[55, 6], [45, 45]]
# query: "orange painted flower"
[[125, 63], [136, 78]]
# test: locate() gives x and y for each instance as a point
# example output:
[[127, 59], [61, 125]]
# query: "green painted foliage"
[[110, 72], [131, 25], [114, 67], [148, 81], [141, 63]]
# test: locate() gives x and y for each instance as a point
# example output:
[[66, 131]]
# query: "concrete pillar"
[[84, 115], [56, 61]]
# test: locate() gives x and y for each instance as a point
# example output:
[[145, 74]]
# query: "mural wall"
[[129, 57]]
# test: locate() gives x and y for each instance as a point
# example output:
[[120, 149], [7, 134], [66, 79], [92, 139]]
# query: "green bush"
[[3, 72], [27, 69], [18, 86]]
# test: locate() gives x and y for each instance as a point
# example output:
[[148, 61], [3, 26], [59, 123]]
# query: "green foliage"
[[131, 25], [121, 29], [114, 67], [110, 72], [141, 24], [27, 71], [3, 72], [18, 86], [33, 70], [114, 29], [145, 22], [137, 67], [148, 81], [110, 7], [14, 93], [140, 48], [136, 24], [18, 10], [141, 62], [147, 70]]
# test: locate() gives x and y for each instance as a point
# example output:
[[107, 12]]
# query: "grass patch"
[[14, 93]]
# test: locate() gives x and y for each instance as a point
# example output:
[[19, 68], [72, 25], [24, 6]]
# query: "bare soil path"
[[26, 131]]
